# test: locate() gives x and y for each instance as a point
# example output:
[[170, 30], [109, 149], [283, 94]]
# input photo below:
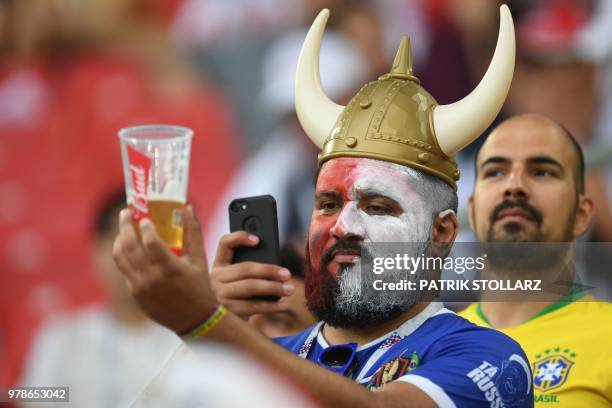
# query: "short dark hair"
[[106, 215], [579, 168]]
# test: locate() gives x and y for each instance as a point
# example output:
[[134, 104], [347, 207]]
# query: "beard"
[[513, 231], [516, 252], [349, 300]]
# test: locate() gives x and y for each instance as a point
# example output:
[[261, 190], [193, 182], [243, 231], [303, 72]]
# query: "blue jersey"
[[456, 363]]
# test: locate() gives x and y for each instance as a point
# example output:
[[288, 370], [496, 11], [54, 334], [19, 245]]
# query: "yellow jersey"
[[569, 346]]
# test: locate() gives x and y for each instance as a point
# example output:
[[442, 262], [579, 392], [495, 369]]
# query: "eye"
[[329, 206], [543, 173], [493, 173], [377, 209]]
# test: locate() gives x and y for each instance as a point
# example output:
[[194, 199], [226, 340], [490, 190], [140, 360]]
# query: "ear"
[[444, 231], [584, 215], [471, 213]]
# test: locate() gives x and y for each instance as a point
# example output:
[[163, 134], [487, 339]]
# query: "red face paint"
[[342, 189], [337, 176]]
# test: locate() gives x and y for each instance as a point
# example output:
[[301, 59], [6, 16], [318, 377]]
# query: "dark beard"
[[323, 292], [514, 232], [517, 254], [321, 289], [522, 260]]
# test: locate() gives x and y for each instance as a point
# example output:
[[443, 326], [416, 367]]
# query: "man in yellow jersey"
[[530, 188]]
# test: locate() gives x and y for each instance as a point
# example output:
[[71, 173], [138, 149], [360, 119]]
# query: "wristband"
[[207, 325]]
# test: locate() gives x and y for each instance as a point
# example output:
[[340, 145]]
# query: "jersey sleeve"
[[475, 368]]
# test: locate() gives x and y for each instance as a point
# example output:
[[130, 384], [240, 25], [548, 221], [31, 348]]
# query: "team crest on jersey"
[[552, 369], [394, 369]]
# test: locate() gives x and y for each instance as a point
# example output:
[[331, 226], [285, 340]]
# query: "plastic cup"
[[156, 170]]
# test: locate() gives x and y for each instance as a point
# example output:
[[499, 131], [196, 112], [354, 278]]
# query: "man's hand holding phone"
[[240, 286], [246, 276]]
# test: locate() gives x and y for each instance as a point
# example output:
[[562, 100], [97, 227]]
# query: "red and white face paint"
[[352, 184]]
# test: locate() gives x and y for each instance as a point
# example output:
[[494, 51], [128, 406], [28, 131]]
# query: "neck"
[[361, 336], [512, 313], [522, 307]]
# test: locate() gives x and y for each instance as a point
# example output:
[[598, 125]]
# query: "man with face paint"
[[386, 175], [530, 188], [362, 201]]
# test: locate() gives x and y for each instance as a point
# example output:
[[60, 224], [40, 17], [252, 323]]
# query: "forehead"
[[521, 140], [345, 174]]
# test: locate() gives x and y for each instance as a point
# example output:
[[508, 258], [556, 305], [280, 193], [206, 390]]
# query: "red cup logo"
[[140, 164]]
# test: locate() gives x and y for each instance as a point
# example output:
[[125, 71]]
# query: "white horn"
[[456, 125], [315, 111]]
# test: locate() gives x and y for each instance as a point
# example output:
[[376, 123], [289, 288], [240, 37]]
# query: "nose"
[[349, 224], [516, 187]]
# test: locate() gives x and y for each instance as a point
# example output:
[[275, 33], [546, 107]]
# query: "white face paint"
[[374, 177], [413, 225], [359, 202]]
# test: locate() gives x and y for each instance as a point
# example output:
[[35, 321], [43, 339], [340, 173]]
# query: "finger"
[[122, 262], [129, 244], [129, 285], [254, 270], [247, 308], [193, 244], [248, 288], [155, 249], [227, 244]]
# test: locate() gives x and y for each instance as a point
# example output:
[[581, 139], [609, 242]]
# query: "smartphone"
[[257, 216]]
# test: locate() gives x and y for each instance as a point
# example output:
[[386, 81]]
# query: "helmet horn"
[[316, 112], [456, 125]]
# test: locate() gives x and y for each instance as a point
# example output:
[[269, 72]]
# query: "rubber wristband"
[[207, 325]]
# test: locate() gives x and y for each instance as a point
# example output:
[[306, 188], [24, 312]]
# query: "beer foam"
[[172, 192], [166, 197]]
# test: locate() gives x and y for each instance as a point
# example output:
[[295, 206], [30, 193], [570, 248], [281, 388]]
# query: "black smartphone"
[[256, 215]]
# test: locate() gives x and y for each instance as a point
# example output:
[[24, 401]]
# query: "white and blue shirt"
[[456, 363]]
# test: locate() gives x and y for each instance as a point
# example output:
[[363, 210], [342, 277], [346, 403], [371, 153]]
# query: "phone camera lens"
[[238, 206]]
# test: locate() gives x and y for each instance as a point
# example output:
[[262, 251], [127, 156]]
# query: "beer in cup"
[[156, 169]]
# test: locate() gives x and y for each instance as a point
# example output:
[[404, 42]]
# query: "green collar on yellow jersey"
[[574, 294]]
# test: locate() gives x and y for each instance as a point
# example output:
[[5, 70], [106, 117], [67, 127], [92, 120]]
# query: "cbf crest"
[[552, 369]]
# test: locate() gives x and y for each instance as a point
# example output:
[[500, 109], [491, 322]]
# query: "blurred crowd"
[[72, 73]]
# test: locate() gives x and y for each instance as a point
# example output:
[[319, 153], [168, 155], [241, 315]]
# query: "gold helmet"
[[394, 118]]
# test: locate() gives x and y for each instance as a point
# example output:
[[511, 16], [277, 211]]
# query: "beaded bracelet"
[[207, 325]]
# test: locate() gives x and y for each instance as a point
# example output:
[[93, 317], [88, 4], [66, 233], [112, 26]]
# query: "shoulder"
[[295, 342], [469, 365], [448, 323], [485, 335], [595, 308], [57, 342], [74, 324], [471, 313], [588, 315], [453, 335]]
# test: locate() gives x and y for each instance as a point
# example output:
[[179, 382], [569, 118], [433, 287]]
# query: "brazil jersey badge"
[[552, 368]]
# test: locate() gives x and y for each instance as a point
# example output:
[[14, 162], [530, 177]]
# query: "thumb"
[[193, 243]]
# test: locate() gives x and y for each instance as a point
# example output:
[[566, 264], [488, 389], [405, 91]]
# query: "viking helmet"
[[393, 118]]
